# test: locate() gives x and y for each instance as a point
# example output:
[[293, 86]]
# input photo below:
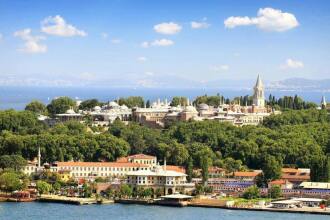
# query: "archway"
[[170, 191]]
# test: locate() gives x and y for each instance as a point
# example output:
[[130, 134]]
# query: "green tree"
[[87, 190], [43, 187], [56, 186], [9, 181], [189, 169], [178, 100], [126, 191], [148, 192], [205, 169], [60, 105], [275, 192], [232, 165], [272, 168], [36, 107], [251, 192], [15, 162], [89, 104], [132, 101]]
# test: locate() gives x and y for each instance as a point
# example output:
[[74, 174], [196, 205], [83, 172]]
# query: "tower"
[[259, 95], [39, 158], [323, 103]]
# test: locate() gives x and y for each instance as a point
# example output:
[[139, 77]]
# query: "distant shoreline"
[[18, 97]]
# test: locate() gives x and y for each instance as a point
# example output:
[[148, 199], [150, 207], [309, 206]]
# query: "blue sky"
[[153, 43]]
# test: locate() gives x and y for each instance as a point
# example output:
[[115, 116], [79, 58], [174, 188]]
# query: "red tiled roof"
[[99, 164], [296, 177], [246, 174], [289, 170], [278, 182], [122, 160], [176, 168], [294, 174]]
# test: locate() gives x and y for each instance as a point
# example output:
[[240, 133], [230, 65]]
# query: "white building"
[[98, 169], [168, 181]]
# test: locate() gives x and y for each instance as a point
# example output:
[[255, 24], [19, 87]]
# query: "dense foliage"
[[132, 101], [89, 104], [295, 138], [60, 105]]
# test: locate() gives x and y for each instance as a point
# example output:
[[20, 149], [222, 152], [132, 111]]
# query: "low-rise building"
[[139, 158], [168, 181], [283, 184], [315, 185], [247, 175], [295, 176], [98, 169]]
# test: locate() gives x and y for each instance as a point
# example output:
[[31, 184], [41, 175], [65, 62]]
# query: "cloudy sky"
[[150, 42]]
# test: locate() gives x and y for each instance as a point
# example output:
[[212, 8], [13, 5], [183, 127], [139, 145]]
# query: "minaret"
[[39, 158], [258, 95], [323, 103]]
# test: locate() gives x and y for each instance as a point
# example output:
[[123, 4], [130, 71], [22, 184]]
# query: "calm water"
[[35, 210], [18, 97]]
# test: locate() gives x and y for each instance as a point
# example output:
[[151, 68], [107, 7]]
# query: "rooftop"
[[315, 185], [99, 164], [159, 171], [247, 173]]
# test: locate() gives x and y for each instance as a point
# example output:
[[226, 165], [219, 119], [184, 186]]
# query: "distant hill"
[[300, 84]]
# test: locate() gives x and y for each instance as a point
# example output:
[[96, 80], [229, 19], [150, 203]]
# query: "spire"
[[259, 82], [323, 102], [165, 163], [258, 96]]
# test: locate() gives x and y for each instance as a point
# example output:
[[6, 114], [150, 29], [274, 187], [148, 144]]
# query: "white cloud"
[[199, 24], [57, 26], [268, 19], [32, 43], [292, 64], [142, 59], [162, 42], [116, 41], [157, 43], [220, 68], [167, 28]]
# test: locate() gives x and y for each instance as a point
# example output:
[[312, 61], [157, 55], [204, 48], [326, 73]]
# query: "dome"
[[174, 109], [124, 107], [70, 111], [113, 104], [203, 106], [191, 109], [97, 108]]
